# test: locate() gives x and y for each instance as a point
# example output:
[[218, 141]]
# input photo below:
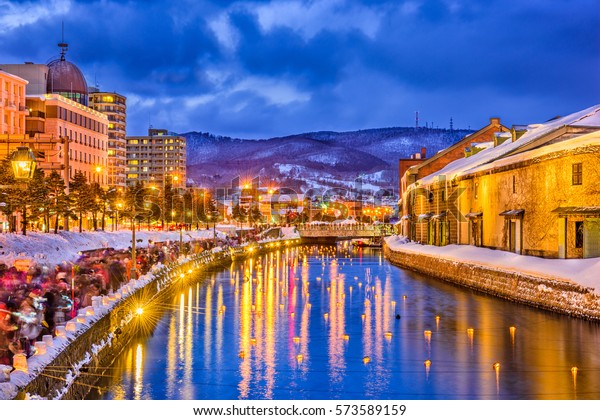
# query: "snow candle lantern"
[[105, 301], [61, 331], [48, 340], [40, 348], [5, 373], [20, 362], [89, 311], [71, 326]]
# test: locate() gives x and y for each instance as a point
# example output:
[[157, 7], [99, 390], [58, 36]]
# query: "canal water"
[[343, 323]]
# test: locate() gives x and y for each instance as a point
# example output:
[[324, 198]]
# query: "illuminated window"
[[130, 176], [133, 162], [132, 141], [108, 99]]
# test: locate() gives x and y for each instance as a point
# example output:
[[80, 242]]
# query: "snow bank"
[[64, 246], [581, 271]]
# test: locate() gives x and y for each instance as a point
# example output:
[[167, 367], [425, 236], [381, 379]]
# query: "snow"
[[52, 249], [580, 271], [587, 117]]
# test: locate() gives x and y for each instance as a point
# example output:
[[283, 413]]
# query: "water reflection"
[[327, 323]]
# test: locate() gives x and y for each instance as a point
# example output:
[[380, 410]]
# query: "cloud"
[[311, 17], [17, 14], [260, 68]]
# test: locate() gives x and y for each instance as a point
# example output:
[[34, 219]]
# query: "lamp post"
[[23, 165]]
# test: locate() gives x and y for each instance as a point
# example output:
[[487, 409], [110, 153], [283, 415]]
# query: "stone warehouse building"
[[534, 192]]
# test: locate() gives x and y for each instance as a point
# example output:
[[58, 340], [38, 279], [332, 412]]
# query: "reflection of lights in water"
[[299, 358], [427, 364], [326, 316], [404, 297], [366, 360], [437, 321], [345, 337], [470, 334], [574, 370], [388, 335], [512, 334], [296, 340], [139, 372]]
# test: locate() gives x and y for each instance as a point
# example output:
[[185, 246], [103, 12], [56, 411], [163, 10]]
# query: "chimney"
[[423, 152], [495, 121]]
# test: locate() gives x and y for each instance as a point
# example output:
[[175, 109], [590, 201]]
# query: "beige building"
[[60, 128], [114, 106], [157, 159], [535, 193], [12, 104]]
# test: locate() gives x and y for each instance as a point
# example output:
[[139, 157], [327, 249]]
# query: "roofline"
[[455, 146]]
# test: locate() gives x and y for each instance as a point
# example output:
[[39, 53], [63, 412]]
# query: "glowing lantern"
[[105, 300], [20, 362], [48, 340], [60, 331], [89, 311], [299, 358], [387, 334], [296, 340], [253, 341], [40, 348], [71, 326], [366, 360], [23, 163], [346, 337]]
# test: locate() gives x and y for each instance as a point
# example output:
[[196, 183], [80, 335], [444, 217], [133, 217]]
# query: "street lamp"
[[23, 165]]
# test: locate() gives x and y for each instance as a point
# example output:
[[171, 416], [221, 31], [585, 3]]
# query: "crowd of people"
[[34, 302]]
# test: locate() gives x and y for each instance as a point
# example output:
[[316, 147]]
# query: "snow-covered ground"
[[52, 249], [585, 272]]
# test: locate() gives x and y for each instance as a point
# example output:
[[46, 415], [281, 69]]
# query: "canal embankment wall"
[[538, 290], [84, 353]]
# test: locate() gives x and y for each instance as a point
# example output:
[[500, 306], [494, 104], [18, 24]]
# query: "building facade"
[[12, 104], [157, 159], [535, 194], [64, 133], [114, 106]]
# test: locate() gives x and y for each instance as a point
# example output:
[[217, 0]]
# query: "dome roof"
[[66, 79]]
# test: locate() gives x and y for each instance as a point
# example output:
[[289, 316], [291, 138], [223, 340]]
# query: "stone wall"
[[548, 293]]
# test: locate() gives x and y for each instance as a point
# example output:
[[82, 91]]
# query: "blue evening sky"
[[267, 68]]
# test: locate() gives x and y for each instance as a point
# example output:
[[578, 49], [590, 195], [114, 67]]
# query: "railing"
[[345, 230]]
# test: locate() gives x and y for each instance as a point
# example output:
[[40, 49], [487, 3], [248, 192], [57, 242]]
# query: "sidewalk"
[[585, 272]]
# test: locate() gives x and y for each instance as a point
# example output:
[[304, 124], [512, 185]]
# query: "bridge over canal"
[[337, 232]]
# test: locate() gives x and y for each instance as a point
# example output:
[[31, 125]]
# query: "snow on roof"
[[587, 117], [591, 139]]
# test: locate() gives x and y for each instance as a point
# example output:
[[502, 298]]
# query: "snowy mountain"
[[312, 160]]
